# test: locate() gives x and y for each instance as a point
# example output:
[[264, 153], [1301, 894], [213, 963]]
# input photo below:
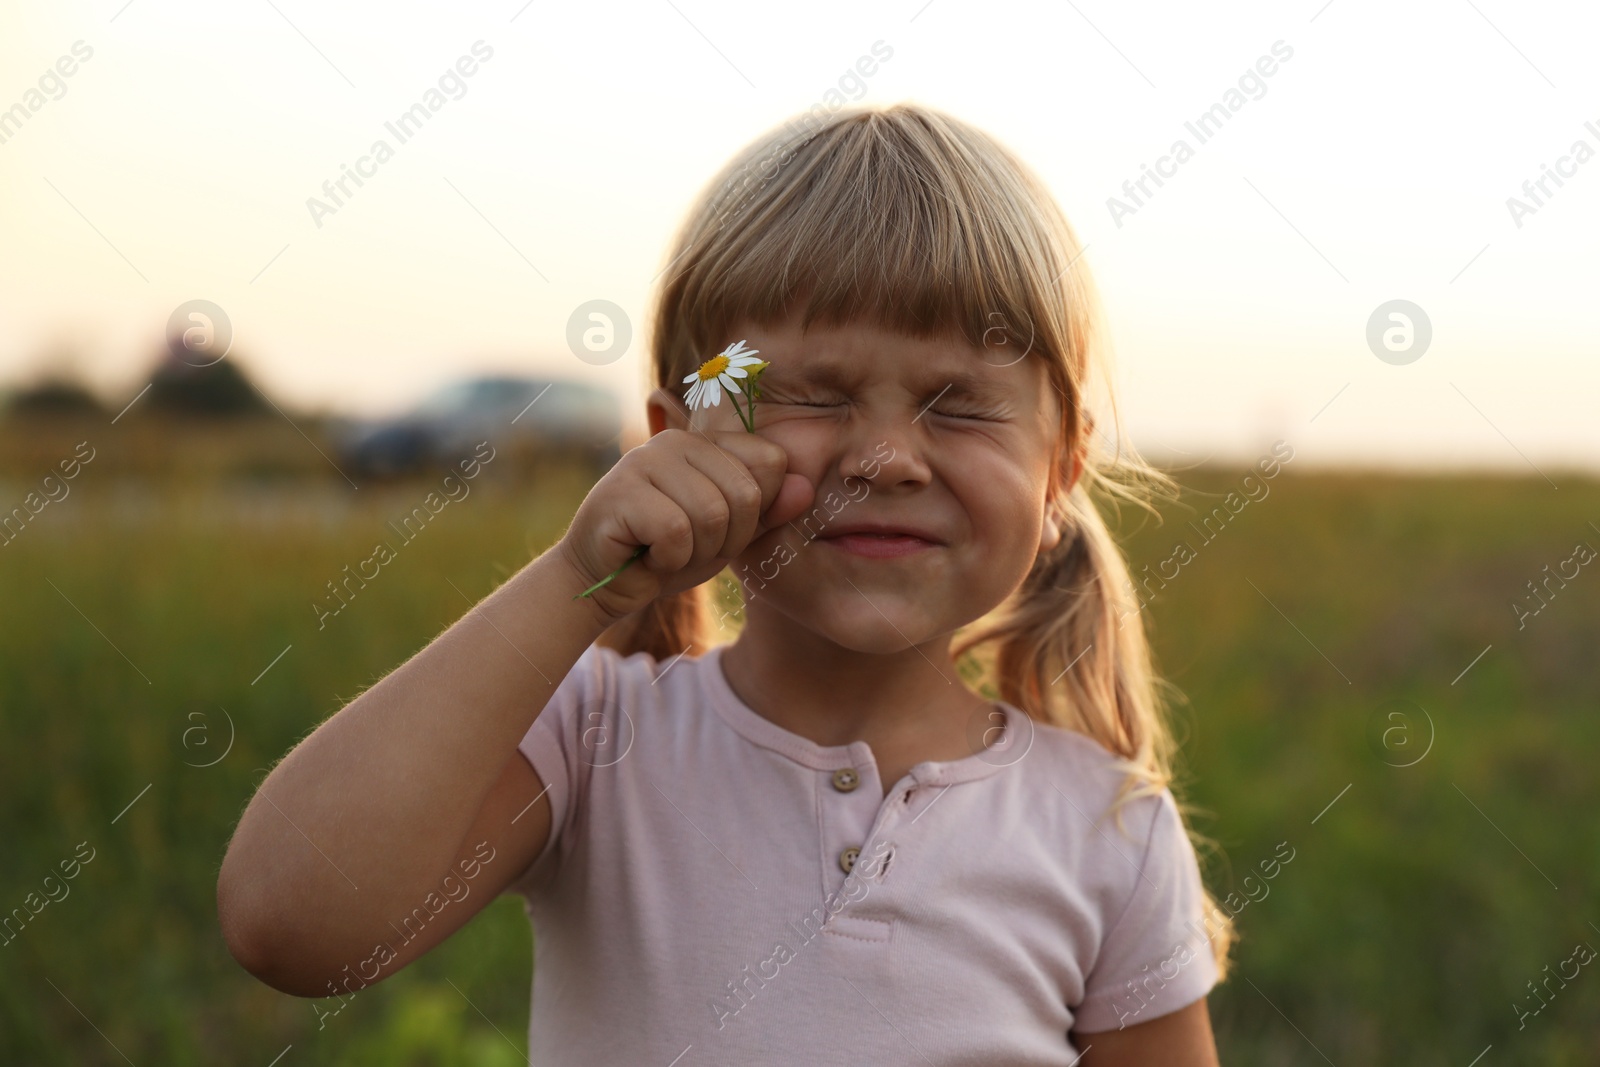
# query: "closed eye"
[[953, 412], [801, 401]]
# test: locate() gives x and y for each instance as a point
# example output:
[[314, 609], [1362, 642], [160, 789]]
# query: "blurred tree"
[[220, 390], [53, 396]]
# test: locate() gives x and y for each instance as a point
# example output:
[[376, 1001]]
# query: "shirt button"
[[847, 859], [845, 780]]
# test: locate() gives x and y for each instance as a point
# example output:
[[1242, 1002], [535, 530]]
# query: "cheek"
[[1007, 544], [1004, 502], [807, 441], [1004, 505]]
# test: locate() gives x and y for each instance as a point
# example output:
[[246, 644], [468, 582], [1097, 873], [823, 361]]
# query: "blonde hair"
[[924, 224]]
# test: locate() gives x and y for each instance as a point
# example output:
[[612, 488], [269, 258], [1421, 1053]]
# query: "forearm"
[[363, 817]]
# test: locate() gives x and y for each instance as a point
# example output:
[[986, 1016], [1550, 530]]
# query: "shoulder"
[[1091, 811], [599, 687], [609, 694], [1079, 771], [1065, 748], [602, 669], [608, 659]]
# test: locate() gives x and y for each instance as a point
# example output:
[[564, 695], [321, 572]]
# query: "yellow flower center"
[[713, 367]]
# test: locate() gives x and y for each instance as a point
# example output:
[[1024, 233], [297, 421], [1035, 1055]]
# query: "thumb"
[[794, 497]]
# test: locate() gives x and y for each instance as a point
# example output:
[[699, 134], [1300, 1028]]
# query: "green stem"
[[746, 423], [641, 550], [748, 387]]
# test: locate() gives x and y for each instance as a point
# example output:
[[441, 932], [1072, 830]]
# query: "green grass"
[[1408, 923], [1402, 932], [200, 591]]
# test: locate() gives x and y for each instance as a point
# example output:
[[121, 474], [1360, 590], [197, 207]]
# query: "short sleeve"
[[553, 747], [1155, 957]]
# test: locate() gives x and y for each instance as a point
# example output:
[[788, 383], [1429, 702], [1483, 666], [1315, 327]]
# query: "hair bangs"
[[882, 216]]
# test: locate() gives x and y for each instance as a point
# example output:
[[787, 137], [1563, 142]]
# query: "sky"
[[1376, 163]]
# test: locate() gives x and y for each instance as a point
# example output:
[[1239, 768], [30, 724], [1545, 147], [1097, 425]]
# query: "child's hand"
[[696, 499]]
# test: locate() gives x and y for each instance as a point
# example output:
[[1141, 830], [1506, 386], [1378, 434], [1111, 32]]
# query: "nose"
[[887, 452]]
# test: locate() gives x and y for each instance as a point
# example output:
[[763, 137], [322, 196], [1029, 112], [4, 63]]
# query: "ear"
[[665, 411], [1051, 527]]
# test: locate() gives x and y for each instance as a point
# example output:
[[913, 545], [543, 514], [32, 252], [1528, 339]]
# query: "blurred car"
[[528, 417]]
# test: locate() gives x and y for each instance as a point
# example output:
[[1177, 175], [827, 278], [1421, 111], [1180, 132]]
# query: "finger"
[[793, 499], [702, 501], [739, 489], [765, 460], [659, 523]]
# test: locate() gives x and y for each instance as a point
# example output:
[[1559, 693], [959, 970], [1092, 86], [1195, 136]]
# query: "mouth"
[[880, 541]]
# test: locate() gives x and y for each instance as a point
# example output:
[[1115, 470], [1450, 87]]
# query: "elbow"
[[259, 941]]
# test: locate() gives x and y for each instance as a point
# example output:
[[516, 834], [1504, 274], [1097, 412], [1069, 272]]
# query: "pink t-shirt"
[[693, 907]]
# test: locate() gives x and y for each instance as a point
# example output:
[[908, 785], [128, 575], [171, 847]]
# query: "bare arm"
[[1179, 1039], [365, 818], [508, 832]]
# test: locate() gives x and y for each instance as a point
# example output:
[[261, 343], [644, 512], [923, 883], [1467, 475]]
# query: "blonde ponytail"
[[1070, 650], [1068, 654]]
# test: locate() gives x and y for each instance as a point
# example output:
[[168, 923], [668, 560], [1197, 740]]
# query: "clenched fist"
[[696, 499]]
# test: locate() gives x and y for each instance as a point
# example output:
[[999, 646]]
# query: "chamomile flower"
[[721, 372]]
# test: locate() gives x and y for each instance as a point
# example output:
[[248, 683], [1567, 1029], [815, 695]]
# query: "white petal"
[[691, 377], [737, 372], [714, 394]]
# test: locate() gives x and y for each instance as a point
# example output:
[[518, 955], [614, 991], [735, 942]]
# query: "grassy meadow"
[[1441, 860]]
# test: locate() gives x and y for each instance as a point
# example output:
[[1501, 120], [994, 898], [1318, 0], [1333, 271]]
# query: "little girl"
[[919, 811]]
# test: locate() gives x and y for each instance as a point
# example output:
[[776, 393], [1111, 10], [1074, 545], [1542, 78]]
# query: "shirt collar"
[[1016, 739]]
